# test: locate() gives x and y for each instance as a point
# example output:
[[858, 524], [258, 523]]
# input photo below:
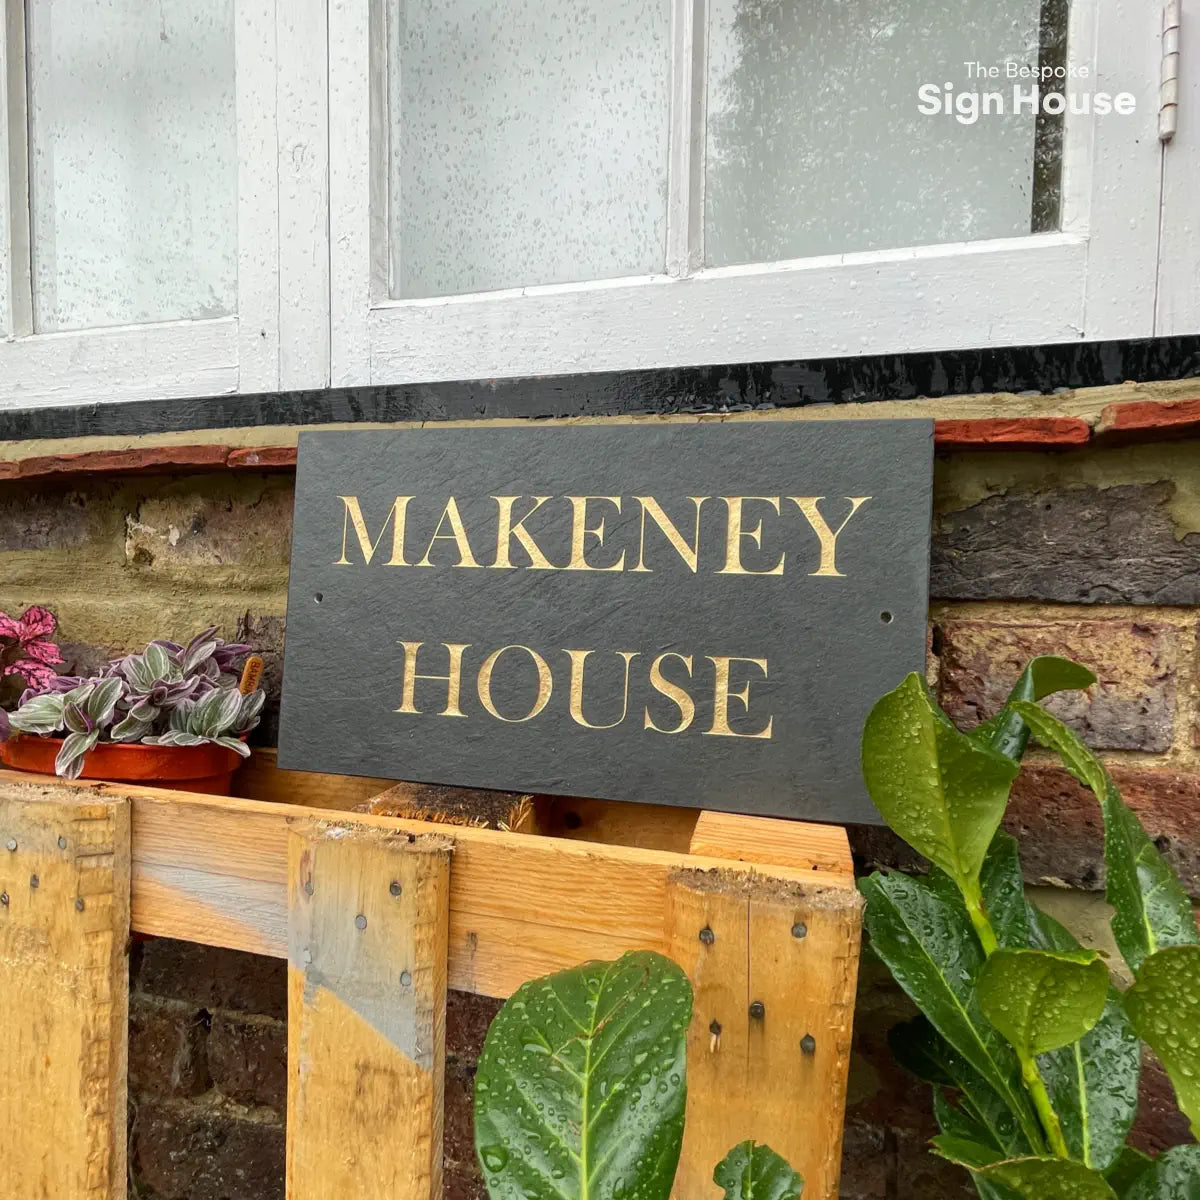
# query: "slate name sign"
[[682, 614]]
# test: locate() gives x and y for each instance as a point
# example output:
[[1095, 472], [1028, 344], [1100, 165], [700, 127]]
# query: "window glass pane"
[[133, 160], [528, 141], [816, 144]]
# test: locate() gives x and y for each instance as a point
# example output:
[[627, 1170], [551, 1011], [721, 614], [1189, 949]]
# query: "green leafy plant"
[[1032, 1052], [581, 1089], [169, 695], [753, 1172]]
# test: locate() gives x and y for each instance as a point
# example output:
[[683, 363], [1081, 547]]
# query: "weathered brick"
[[1145, 420], [188, 1152], [1131, 707], [212, 977], [1159, 1125], [263, 457], [1011, 433], [247, 1057], [1083, 545], [868, 1162], [139, 459], [265, 634], [1062, 835], [59, 518], [213, 523], [879, 1092], [167, 1048], [922, 1175], [462, 1179], [467, 1021]]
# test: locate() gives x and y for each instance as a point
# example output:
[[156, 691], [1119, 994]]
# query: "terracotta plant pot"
[[206, 768]]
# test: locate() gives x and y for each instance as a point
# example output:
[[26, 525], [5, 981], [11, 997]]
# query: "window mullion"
[[685, 172], [16, 306]]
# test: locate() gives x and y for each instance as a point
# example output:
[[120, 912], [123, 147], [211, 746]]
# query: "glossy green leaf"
[[1093, 1084], [989, 1189], [581, 1085], [982, 1115], [921, 1051], [965, 1153], [941, 791], [1003, 890], [1007, 732], [958, 1122], [1174, 1176], [1049, 1179], [1130, 1166], [920, 929], [753, 1172], [1042, 1000], [1164, 1006], [1152, 909]]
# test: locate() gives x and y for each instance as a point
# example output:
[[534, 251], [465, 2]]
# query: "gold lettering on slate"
[[652, 509], [453, 679], [458, 536], [673, 692], [722, 695], [734, 534], [580, 532], [545, 684], [828, 537], [506, 531], [578, 658], [354, 516]]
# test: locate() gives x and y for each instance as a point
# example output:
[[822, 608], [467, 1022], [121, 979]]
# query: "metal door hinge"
[[1168, 96]]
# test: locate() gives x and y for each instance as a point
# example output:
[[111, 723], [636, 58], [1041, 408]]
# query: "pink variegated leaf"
[[44, 651], [36, 674], [37, 622]]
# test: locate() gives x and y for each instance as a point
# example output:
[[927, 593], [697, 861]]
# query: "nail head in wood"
[[707, 936], [62, 843], [808, 1045], [34, 881], [360, 922], [406, 979], [4, 899], [12, 843], [799, 930], [79, 904], [758, 1010], [395, 889]]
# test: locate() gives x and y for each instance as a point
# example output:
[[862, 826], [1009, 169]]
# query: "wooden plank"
[[707, 933], [652, 826], [261, 778], [213, 869], [774, 842], [368, 919], [777, 970], [774, 967], [64, 992]]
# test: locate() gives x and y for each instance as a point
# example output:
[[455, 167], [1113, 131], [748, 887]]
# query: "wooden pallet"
[[377, 917]]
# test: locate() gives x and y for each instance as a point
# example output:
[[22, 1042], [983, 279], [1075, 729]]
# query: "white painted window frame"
[[1094, 280], [281, 233], [1178, 308]]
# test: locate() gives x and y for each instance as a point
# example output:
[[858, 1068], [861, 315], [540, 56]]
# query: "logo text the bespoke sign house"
[[685, 614]]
